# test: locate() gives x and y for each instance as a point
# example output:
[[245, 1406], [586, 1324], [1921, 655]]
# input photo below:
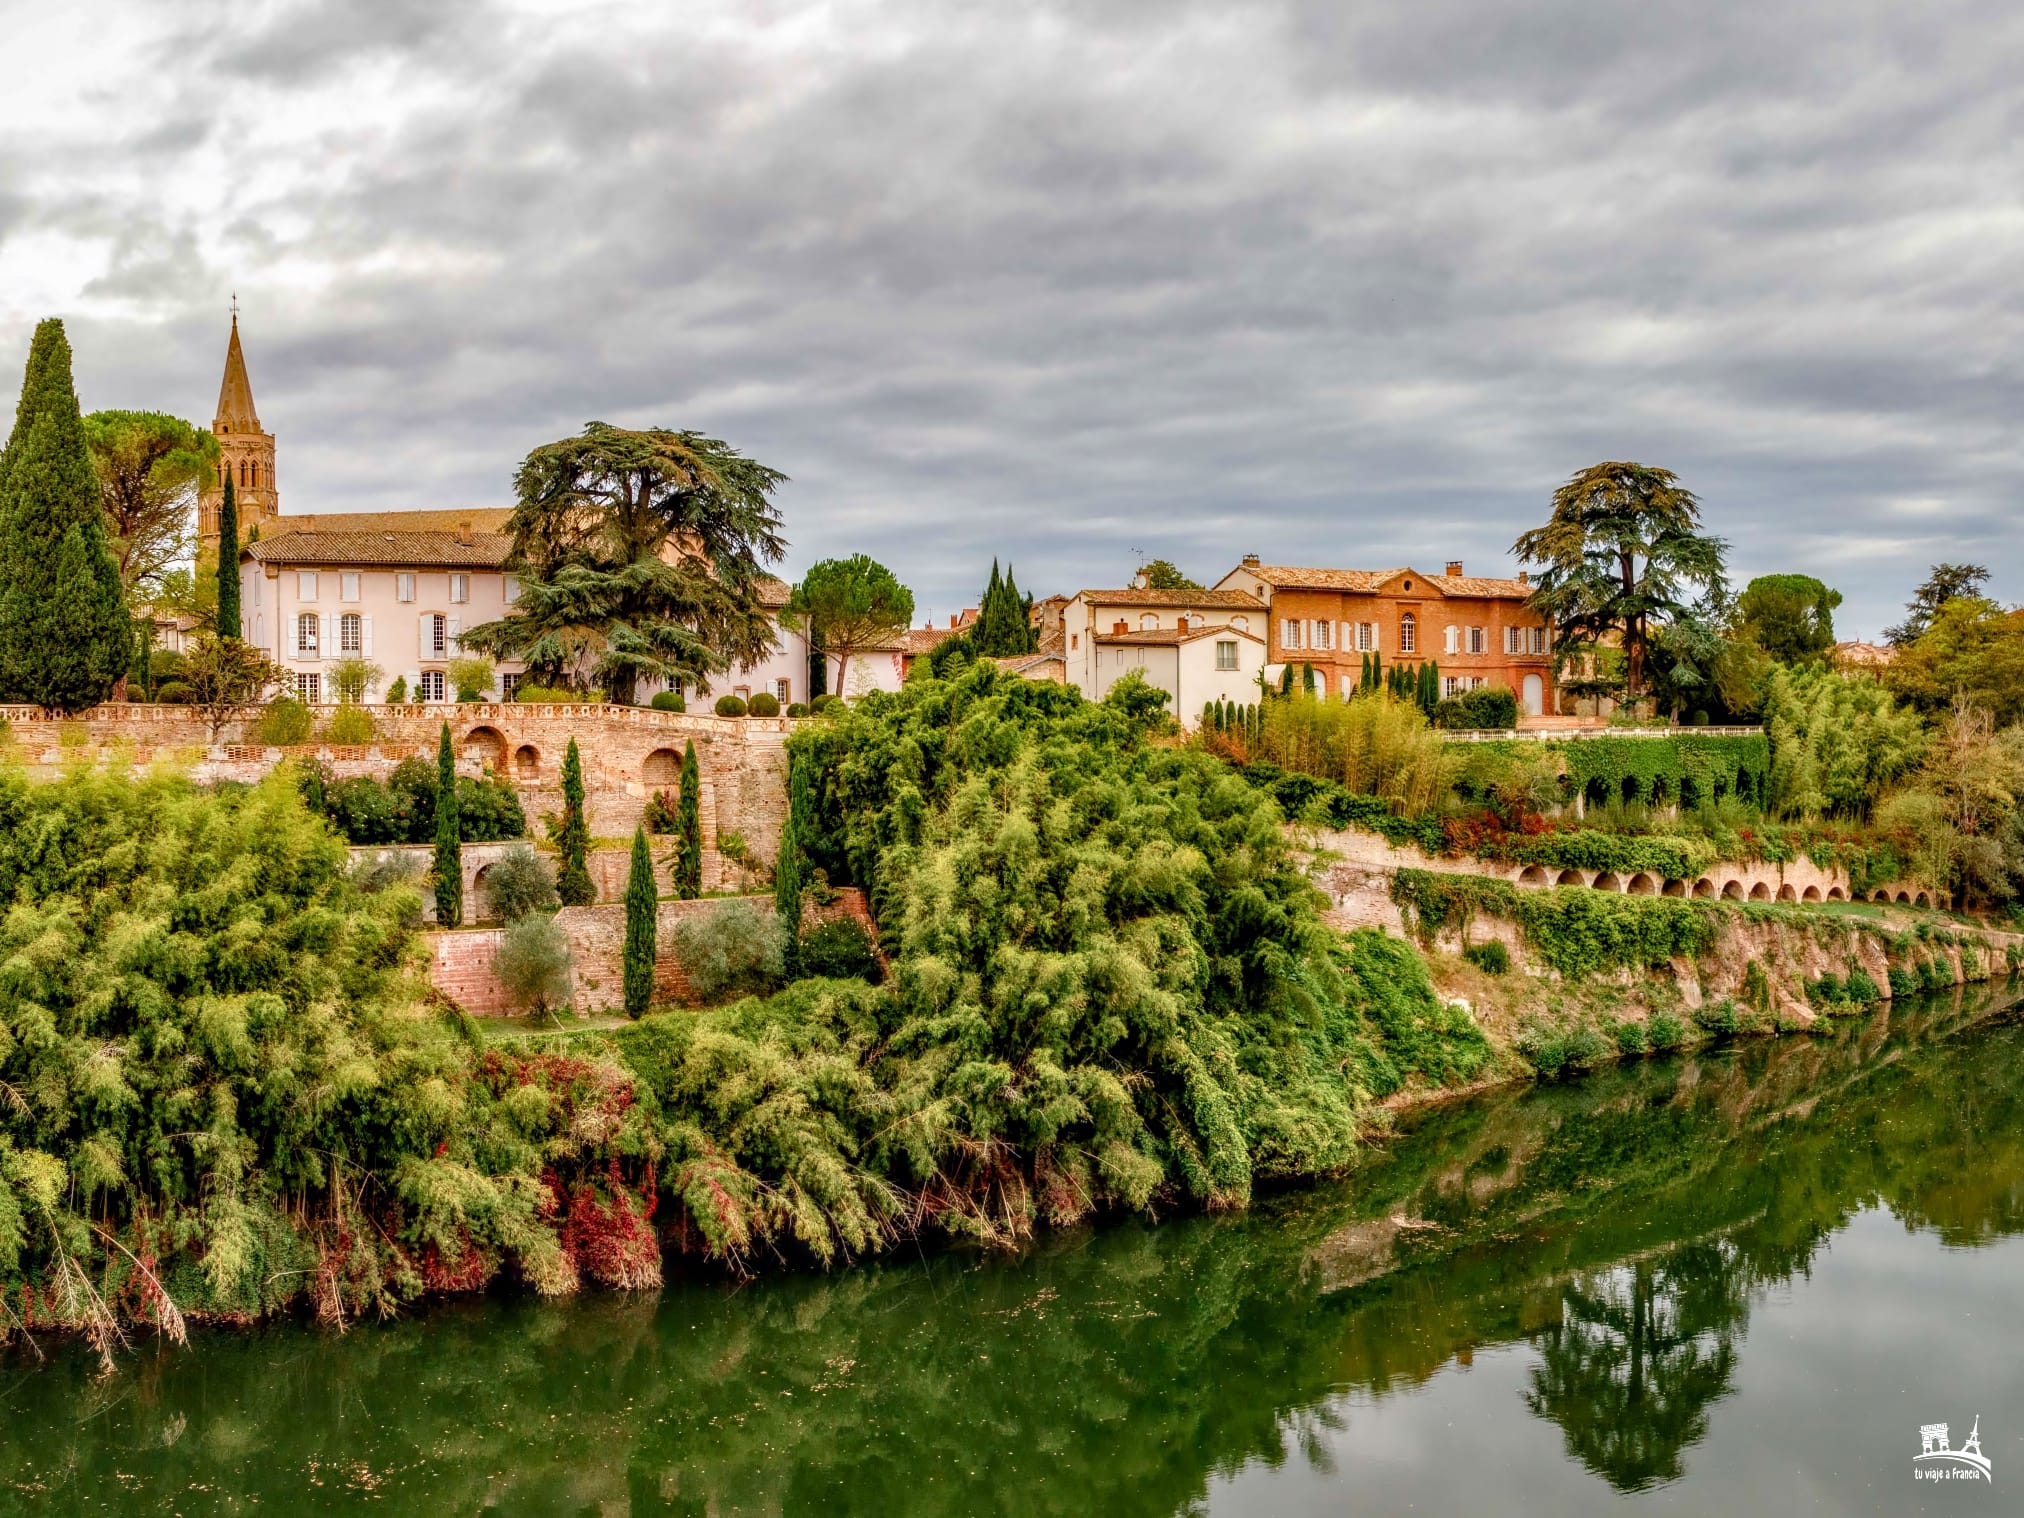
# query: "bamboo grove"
[[225, 1090]]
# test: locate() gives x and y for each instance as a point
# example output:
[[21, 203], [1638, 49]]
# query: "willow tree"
[[641, 555], [1621, 555]]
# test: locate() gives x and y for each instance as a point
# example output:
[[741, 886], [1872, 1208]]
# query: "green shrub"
[[1556, 1053], [471, 677], [1581, 932], [364, 811], [1720, 1019], [1593, 849], [1861, 987], [841, 950], [662, 814], [1933, 975], [1490, 956], [1902, 982], [765, 704], [535, 965], [384, 872], [351, 726], [1665, 1031], [826, 703], [518, 883], [557, 695], [1489, 706], [668, 701], [284, 723], [1432, 902], [730, 950], [797, 709], [1825, 991], [172, 693], [730, 706], [1631, 1038], [397, 693], [1756, 986]]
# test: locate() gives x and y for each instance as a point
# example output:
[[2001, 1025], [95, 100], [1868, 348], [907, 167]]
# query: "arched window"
[[1240, 624], [1149, 621], [1409, 633], [305, 634], [253, 469]]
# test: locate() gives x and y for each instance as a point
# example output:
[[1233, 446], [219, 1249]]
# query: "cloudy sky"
[[1347, 284]]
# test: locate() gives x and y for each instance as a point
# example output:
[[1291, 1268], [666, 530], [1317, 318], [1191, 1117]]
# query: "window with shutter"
[[1452, 635], [365, 636], [456, 627], [404, 587], [349, 638]]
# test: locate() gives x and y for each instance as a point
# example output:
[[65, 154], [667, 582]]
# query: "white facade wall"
[[1186, 671], [396, 612]]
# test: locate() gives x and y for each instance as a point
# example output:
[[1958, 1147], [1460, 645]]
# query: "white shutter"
[[422, 635], [455, 624], [365, 636], [295, 636], [1452, 633], [1377, 637], [324, 644]]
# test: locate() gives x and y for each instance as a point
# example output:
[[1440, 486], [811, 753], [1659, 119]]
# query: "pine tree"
[[573, 885], [65, 633], [689, 844], [228, 563], [446, 875], [642, 924]]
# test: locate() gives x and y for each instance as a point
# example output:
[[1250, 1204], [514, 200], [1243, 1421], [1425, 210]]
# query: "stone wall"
[[628, 753], [461, 967]]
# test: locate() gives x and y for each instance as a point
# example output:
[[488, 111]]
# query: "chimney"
[[1141, 581], [1455, 568], [1250, 561], [464, 534], [1524, 577], [1119, 629]]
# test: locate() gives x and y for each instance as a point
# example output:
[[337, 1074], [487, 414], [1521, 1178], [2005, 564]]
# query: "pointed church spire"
[[235, 395]]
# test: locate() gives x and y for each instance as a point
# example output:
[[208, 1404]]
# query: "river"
[[1733, 1282]]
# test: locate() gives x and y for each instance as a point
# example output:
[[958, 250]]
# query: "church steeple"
[[246, 453], [235, 395]]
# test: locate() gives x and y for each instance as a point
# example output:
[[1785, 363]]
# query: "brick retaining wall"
[[461, 967]]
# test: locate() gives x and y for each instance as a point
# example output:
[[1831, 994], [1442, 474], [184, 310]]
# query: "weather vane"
[[235, 304]]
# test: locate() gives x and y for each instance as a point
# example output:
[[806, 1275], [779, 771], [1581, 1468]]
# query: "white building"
[[1198, 646]]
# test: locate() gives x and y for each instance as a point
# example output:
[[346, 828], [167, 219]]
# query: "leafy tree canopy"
[[1971, 647], [641, 555], [150, 467], [1790, 617], [846, 606], [1162, 574], [1621, 555]]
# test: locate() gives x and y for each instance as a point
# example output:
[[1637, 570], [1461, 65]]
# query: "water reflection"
[[1622, 1228]]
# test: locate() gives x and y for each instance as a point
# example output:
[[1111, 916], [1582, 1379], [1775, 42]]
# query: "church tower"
[[247, 453]]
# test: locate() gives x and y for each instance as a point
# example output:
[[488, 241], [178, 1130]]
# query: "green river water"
[[1735, 1282]]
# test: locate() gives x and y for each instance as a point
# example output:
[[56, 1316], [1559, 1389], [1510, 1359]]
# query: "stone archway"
[[1786, 893], [1732, 890], [1704, 887], [1811, 893], [1760, 892], [527, 762], [1571, 877], [1532, 875], [488, 746], [1607, 882], [1834, 894], [662, 767], [1922, 900], [1640, 884], [1904, 898], [1673, 888]]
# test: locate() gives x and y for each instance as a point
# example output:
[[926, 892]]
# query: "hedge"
[[1681, 767], [1673, 858]]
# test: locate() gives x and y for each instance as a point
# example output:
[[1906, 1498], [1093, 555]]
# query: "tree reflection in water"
[[1639, 1354]]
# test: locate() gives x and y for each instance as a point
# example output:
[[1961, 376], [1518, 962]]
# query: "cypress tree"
[[573, 885], [1286, 681], [1430, 686], [790, 871], [65, 633], [228, 563], [689, 845], [1306, 679], [642, 924], [446, 875]]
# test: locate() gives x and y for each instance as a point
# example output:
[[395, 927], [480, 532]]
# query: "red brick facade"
[[1477, 630]]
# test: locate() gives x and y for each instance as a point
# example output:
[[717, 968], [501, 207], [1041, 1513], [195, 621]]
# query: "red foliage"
[[607, 1229]]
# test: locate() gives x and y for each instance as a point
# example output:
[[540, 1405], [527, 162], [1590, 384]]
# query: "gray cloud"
[[1351, 285]]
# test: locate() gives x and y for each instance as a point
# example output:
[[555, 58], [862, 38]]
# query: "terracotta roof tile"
[[477, 518], [485, 550], [1294, 577], [1150, 636], [1222, 600]]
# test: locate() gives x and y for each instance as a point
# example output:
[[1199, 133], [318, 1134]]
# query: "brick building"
[[1476, 629]]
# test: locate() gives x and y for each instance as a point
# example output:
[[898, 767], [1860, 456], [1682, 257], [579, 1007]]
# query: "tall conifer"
[[573, 885], [228, 562], [642, 926], [689, 849], [65, 634], [790, 870], [446, 874]]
